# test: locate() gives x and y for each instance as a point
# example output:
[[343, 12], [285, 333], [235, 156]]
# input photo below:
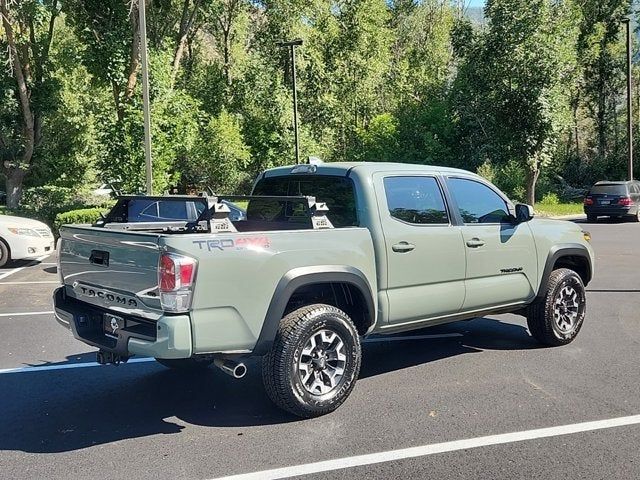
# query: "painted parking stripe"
[[25, 314], [67, 366], [16, 270], [30, 283], [407, 338], [425, 450]]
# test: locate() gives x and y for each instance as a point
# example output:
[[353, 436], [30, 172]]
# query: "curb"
[[569, 217]]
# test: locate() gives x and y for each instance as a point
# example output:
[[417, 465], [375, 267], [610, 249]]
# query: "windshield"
[[337, 192]]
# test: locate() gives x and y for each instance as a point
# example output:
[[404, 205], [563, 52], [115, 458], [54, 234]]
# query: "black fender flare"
[[555, 254], [300, 277]]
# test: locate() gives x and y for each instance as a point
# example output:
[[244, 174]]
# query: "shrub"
[[487, 171], [44, 203], [550, 199], [84, 215]]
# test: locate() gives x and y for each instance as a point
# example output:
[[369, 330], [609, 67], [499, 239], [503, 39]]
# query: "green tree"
[[601, 56], [29, 91], [219, 159], [519, 103]]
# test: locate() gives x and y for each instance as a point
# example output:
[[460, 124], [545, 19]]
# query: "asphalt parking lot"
[[63, 417]]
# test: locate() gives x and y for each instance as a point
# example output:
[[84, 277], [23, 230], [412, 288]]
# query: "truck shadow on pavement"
[[71, 409]]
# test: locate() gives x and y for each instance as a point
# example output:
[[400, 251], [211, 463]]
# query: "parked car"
[[23, 238], [300, 281], [167, 208], [236, 213], [613, 199]]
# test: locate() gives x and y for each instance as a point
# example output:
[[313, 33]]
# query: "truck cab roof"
[[366, 168]]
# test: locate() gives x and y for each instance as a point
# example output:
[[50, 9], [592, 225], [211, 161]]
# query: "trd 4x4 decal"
[[230, 243]]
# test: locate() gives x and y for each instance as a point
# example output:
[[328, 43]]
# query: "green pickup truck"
[[325, 255]]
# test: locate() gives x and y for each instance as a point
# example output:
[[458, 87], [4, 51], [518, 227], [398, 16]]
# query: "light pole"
[[292, 46], [145, 95], [627, 22]]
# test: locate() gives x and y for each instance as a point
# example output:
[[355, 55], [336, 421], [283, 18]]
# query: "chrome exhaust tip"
[[231, 367]]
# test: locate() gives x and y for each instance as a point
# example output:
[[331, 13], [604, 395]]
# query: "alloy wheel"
[[322, 362], [566, 309]]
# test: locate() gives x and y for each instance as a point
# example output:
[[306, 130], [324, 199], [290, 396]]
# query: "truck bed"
[[237, 273]]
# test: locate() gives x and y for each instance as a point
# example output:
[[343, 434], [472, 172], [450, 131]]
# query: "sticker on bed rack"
[[243, 243]]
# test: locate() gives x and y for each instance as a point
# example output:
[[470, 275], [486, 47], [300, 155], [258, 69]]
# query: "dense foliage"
[[531, 96]]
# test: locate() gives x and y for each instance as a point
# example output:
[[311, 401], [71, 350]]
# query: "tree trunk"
[[185, 27], [577, 130], [134, 59], [15, 177], [601, 125], [532, 179]]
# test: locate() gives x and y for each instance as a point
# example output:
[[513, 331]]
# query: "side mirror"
[[524, 213]]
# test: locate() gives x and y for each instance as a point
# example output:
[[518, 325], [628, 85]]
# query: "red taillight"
[[588, 201], [167, 274], [176, 274], [626, 201]]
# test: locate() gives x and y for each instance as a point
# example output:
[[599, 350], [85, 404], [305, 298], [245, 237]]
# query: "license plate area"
[[605, 202], [112, 324]]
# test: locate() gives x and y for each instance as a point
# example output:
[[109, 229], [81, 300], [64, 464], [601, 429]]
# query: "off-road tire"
[[184, 364], [540, 317], [280, 367], [5, 255], [592, 218]]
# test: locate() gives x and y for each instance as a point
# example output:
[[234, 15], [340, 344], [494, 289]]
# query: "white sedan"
[[23, 238]]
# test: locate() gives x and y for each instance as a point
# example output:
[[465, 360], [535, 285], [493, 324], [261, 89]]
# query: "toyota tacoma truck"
[[326, 255]]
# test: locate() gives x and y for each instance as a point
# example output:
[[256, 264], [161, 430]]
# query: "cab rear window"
[[337, 192]]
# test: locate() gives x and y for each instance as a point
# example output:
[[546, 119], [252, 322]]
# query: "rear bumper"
[[168, 337], [606, 211]]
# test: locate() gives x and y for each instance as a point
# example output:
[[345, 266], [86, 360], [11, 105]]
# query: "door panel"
[[501, 256], [426, 260], [503, 269]]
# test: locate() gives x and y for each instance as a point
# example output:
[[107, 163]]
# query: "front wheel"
[[4, 254], [314, 362], [557, 318]]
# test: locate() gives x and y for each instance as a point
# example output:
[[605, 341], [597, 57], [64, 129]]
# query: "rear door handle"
[[475, 243], [403, 247]]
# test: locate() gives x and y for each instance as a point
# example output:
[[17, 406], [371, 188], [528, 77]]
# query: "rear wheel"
[[314, 362], [592, 218], [557, 318], [184, 363], [636, 217], [5, 256]]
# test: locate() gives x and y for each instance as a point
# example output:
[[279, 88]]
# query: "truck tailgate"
[[114, 270]]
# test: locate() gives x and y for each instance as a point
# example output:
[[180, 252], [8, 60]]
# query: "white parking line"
[[415, 337], [24, 314], [16, 270], [425, 450], [66, 366], [29, 283]]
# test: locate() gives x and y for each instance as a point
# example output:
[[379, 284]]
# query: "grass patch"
[[559, 209]]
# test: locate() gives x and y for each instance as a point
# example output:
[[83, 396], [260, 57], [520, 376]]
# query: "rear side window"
[[337, 192], [608, 189], [416, 200], [477, 202], [141, 210]]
